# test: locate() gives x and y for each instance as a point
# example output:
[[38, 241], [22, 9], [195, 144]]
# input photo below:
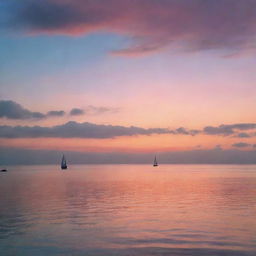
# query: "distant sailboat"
[[64, 163], [155, 162]]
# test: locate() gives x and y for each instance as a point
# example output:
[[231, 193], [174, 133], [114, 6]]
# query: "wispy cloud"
[[92, 110], [241, 145], [12, 110], [90, 130], [83, 130], [228, 129], [153, 24], [243, 135]]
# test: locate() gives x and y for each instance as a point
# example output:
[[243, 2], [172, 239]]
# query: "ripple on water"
[[129, 210]]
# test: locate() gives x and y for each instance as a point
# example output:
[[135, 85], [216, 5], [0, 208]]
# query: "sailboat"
[[64, 163], [155, 162]]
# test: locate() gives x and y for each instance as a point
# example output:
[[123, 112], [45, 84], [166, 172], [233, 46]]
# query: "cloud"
[[76, 112], [56, 113], [142, 49], [184, 131], [241, 145], [243, 135], [82, 130], [242, 126], [152, 24], [228, 129], [221, 130], [92, 110], [12, 110], [90, 130]]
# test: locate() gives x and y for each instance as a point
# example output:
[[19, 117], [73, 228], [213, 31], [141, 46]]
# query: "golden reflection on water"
[[129, 210]]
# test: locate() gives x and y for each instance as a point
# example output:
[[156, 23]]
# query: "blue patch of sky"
[[84, 64], [26, 58]]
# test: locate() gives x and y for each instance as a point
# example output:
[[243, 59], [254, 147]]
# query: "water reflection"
[[128, 210]]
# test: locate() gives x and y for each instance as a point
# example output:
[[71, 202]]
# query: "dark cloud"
[[153, 24], [16, 156], [77, 112], [82, 130], [220, 130], [89, 130], [242, 126], [241, 145], [243, 135], [184, 131], [12, 110], [228, 129], [56, 113]]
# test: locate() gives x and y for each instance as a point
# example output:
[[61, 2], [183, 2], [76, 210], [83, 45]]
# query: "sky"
[[123, 80]]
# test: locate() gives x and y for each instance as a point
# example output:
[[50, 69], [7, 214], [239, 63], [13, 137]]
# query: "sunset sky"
[[128, 77]]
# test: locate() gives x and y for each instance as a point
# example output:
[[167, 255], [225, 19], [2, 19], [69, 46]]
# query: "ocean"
[[126, 210]]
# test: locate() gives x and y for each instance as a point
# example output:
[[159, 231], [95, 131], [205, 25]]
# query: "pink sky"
[[149, 64]]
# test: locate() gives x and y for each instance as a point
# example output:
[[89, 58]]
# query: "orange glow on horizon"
[[139, 144]]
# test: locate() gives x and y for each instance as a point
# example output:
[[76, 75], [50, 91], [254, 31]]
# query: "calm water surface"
[[128, 210]]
